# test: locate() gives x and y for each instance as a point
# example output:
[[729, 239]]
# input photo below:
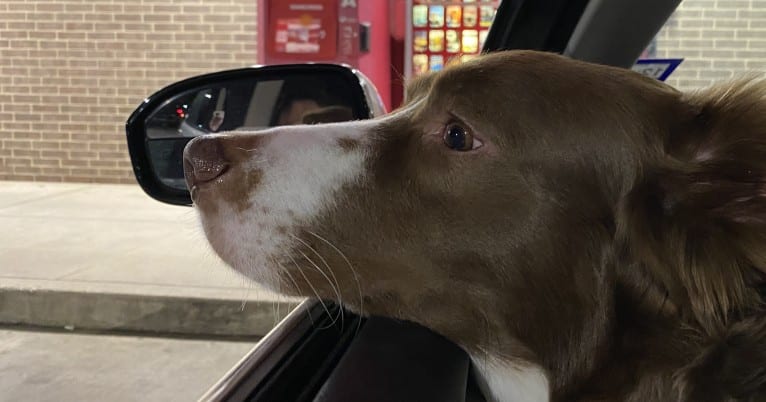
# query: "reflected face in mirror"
[[241, 105], [295, 110]]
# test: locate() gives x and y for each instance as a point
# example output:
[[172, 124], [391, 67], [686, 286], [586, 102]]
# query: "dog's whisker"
[[297, 288], [256, 164], [336, 288], [274, 313], [282, 269], [280, 300], [244, 300], [334, 278], [247, 150], [327, 278], [313, 289], [353, 273], [281, 285]]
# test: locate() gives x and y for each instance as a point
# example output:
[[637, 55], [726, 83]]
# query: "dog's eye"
[[459, 138]]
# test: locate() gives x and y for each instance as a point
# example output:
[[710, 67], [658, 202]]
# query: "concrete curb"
[[167, 315]]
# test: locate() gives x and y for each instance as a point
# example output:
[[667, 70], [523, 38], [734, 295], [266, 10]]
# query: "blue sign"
[[657, 68]]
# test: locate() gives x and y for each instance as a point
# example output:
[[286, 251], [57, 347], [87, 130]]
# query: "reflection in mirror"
[[238, 105]]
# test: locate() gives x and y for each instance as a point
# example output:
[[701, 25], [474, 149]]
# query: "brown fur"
[[611, 230]]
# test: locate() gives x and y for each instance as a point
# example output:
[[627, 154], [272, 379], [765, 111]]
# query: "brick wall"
[[72, 71], [719, 39]]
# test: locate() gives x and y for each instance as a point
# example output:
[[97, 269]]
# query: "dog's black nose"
[[204, 160]]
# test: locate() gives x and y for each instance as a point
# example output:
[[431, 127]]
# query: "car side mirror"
[[245, 99]]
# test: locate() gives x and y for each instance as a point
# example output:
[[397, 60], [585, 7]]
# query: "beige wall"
[[72, 71], [718, 39]]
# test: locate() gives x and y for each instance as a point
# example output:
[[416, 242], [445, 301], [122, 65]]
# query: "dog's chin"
[[261, 254]]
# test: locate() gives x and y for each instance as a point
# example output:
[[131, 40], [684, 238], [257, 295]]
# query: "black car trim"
[[268, 353], [412, 363], [311, 361], [634, 22], [544, 25], [581, 29]]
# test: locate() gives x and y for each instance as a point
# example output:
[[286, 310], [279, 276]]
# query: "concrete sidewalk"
[[59, 367], [108, 257]]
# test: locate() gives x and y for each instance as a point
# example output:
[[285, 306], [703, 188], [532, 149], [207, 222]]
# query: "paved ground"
[[83, 237], [48, 367], [109, 257]]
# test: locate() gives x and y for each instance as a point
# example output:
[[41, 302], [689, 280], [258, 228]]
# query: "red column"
[[377, 63]]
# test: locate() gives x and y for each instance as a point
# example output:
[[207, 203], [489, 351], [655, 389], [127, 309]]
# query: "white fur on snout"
[[301, 169], [306, 165]]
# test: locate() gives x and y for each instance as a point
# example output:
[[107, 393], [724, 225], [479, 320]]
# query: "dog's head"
[[507, 204]]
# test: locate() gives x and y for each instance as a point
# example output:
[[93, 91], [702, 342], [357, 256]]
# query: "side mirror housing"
[[246, 99]]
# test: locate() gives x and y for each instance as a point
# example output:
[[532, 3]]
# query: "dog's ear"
[[696, 216], [419, 86]]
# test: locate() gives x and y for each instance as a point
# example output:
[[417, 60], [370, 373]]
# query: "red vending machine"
[[390, 41], [443, 32], [292, 31], [353, 32]]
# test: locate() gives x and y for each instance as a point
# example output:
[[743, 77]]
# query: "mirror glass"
[[241, 105]]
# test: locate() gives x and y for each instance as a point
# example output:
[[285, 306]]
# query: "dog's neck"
[[631, 360], [628, 340]]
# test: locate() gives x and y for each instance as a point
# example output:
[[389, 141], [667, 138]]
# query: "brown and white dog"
[[583, 232]]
